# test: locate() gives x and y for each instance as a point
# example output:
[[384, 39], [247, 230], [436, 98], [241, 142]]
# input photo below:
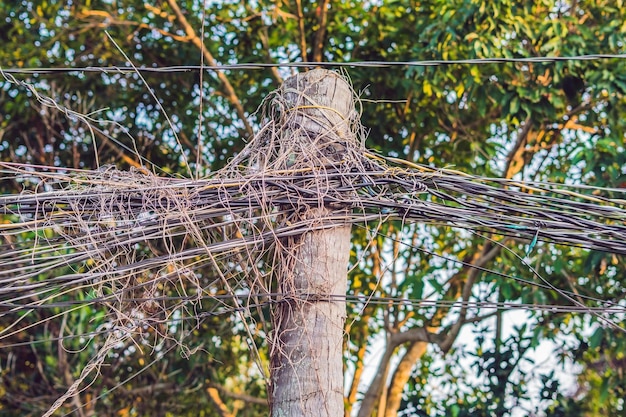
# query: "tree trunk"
[[401, 376], [306, 352]]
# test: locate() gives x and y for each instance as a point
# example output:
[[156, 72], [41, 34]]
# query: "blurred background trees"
[[561, 122]]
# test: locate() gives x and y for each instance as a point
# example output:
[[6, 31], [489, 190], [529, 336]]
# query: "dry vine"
[[129, 240]]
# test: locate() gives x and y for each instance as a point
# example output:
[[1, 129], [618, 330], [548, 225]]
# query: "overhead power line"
[[273, 298], [355, 64], [602, 306]]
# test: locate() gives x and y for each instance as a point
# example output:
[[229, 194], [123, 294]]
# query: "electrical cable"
[[325, 64]]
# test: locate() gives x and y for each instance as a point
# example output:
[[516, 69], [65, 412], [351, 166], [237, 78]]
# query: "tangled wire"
[[131, 239]]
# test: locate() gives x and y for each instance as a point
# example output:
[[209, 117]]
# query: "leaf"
[[417, 286], [514, 105], [596, 338], [459, 90], [604, 390], [506, 290], [427, 88], [539, 297], [621, 85], [436, 285], [553, 44]]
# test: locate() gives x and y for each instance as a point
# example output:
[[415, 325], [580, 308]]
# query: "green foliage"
[[551, 121]]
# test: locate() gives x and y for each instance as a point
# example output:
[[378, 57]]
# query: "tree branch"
[[358, 372], [401, 375], [219, 404], [478, 319], [109, 20], [226, 85], [238, 396], [395, 339], [119, 152], [415, 334], [264, 37], [318, 43], [301, 32], [487, 254], [164, 387], [376, 386], [515, 160], [419, 337], [268, 57]]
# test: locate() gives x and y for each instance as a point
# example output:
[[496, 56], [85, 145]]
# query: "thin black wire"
[[90, 335], [15, 307], [275, 298], [111, 297], [140, 371], [487, 270], [331, 64], [570, 296], [124, 382], [279, 297], [372, 300]]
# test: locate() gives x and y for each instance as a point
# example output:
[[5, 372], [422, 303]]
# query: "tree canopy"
[[513, 90]]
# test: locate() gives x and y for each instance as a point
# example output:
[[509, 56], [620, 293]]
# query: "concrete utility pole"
[[306, 357]]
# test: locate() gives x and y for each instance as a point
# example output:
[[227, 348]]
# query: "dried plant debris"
[[144, 247]]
